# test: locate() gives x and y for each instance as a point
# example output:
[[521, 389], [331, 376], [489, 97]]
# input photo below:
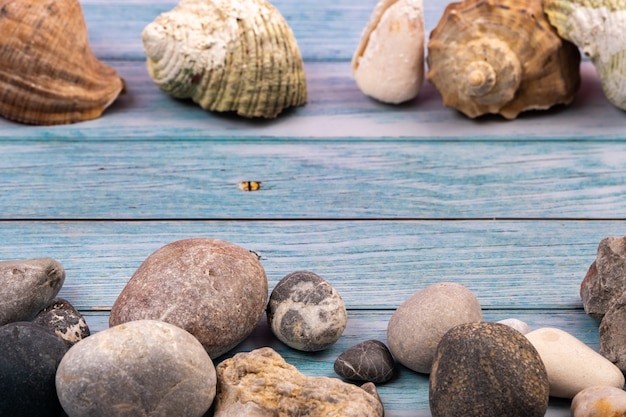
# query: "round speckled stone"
[[139, 368], [29, 356], [368, 361], [487, 370], [305, 312]]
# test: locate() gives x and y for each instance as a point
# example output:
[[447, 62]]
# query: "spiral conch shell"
[[501, 56], [48, 73], [227, 55], [388, 64], [598, 27]]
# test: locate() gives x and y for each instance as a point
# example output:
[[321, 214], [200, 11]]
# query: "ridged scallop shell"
[[598, 27], [48, 73], [227, 56], [388, 64], [501, 56]]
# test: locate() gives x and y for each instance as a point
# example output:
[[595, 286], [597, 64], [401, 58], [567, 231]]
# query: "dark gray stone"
[[487, 370], [141, 368], [29, 357], [214, 289], [63, 320], [27, 286], [368, 361], [305, 312], [605, 280]]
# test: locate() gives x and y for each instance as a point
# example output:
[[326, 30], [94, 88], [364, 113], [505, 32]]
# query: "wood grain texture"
[[308, 180], [373, 264]]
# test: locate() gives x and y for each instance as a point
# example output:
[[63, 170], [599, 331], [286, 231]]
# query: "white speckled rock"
[[599, 402], [261, 384], [572, 365], [417, 326], [518, 325], [305, 312], [142, 368]]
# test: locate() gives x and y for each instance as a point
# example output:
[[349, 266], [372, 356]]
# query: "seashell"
[[501, 56], [227, 56], [48, 73], [598, 27], [388, 64]]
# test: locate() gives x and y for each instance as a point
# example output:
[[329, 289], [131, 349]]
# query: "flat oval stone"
[[305, 312], [261, 383], [487, 370], [29, 357], [368, 361], [215, 290], [572, 365], [416, 327], [599, 402], [145, 368], [63, 320], [27, 286], [516, 324]]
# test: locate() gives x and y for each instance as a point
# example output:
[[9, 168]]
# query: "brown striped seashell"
[[226, 55], [48, 73], [501, 57]]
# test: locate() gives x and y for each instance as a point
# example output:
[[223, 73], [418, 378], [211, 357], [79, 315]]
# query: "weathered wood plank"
[[307, 180], [407, 393], [373, 264], [336, 110]]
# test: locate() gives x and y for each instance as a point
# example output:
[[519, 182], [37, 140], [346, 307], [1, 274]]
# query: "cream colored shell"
[[388, 64], [502, 57], [599, 29], [227, 55], [48, 73]]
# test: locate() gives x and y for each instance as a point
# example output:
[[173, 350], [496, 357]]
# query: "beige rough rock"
[[261, 384]]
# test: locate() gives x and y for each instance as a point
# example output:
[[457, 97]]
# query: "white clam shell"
[[599, 28], [388, 65], [227, 56]]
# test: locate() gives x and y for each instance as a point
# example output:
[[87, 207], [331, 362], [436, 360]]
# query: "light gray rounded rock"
[[599, 401], [305, 312], [142, 368], [214, 289], [27, 286], [417, 326]]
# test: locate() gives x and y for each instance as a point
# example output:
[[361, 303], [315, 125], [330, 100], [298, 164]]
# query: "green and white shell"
[[598, 27]]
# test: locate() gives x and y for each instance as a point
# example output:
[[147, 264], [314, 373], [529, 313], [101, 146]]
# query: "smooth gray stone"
[[142, 368], [27, 286], [487, 370], [368, 361], [29, 357], [60, 318], [305, 312]]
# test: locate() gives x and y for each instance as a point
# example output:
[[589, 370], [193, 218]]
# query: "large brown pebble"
[[612, 336], [487, 370], [27, 286], [214, 289], [415, 328]]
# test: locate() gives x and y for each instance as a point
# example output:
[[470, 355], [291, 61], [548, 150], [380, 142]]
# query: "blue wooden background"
[[380, 200]]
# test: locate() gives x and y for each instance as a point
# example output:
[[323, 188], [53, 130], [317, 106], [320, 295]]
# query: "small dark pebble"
[[29, 357], [368, 361], [60, 318]]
